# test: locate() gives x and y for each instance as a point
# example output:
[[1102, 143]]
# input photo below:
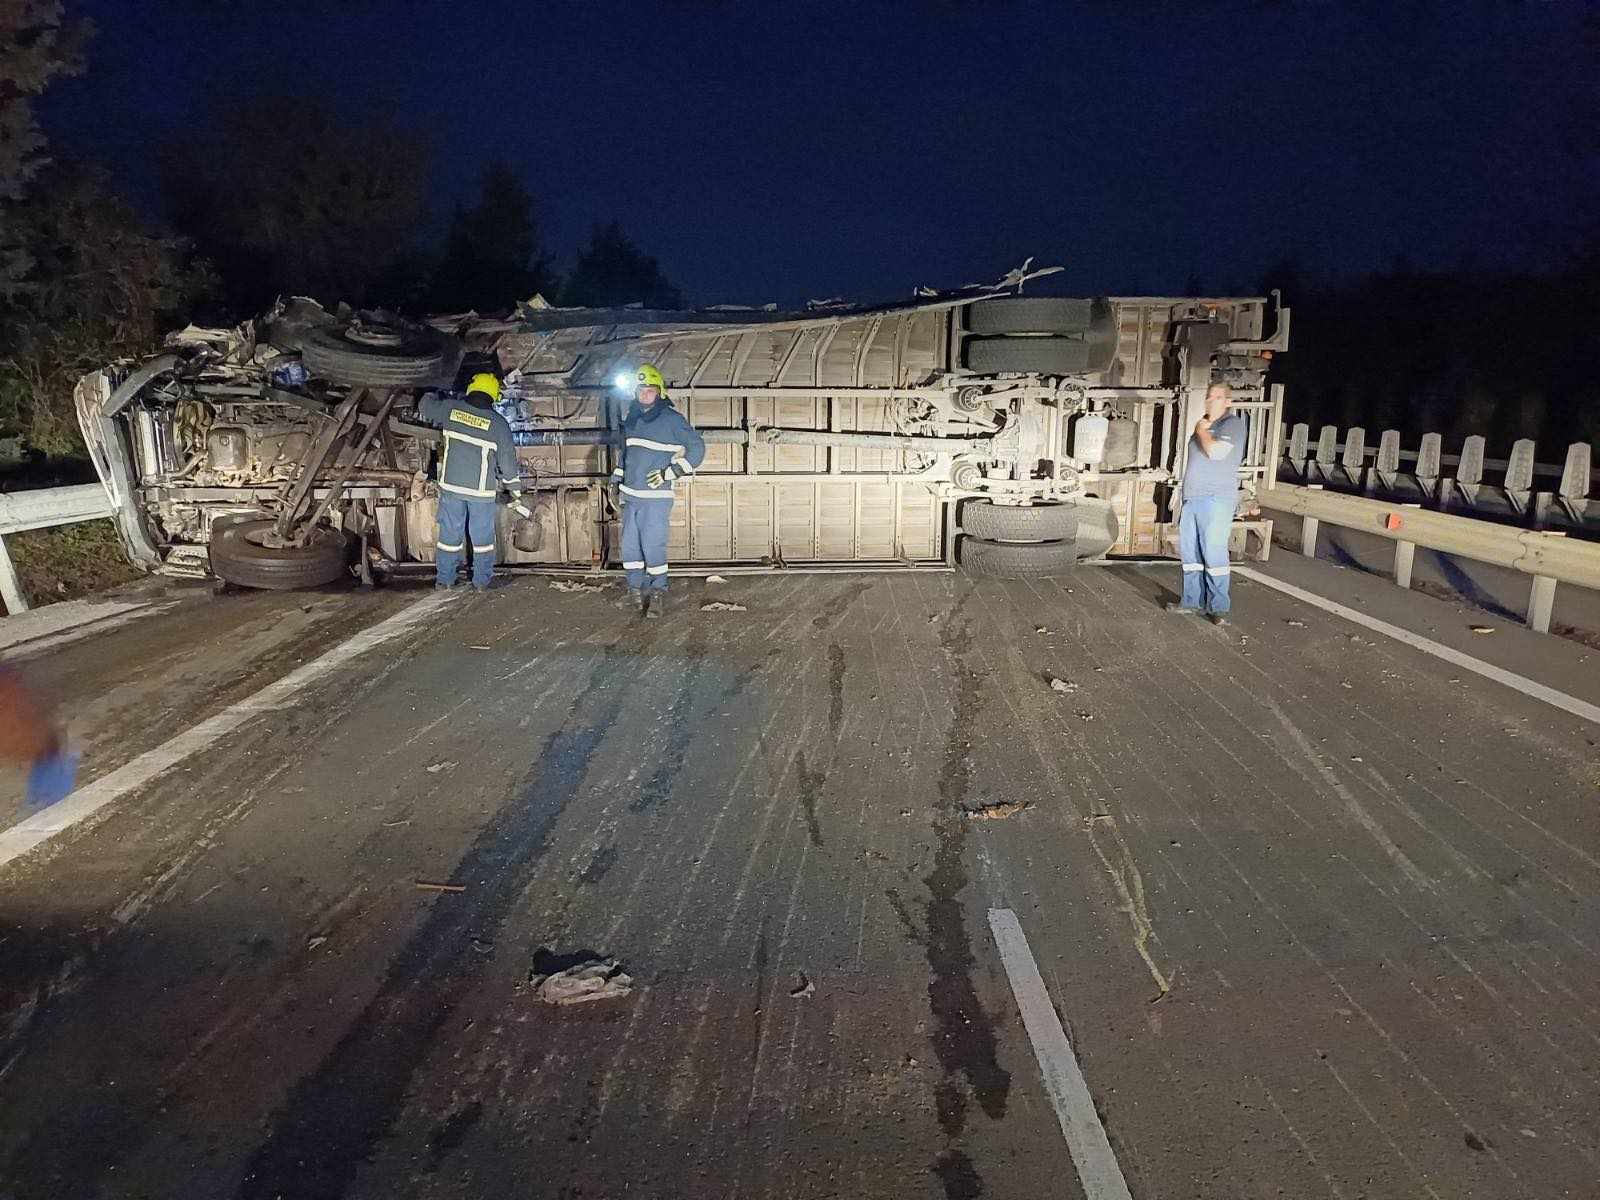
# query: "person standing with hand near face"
[[1210, 499]]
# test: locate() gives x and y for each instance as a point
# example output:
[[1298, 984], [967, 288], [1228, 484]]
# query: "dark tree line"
[[1502, 354]]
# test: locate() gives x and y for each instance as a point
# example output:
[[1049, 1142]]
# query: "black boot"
[[658, 606], [631, 600]]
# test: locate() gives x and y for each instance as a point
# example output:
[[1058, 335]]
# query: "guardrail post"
[[1573, 493], [1405, 555], [1429, 454], [1327, 450], [1299, 448], [1388, 464], [1541, 602], [1308, 529], [1519, 475], [1469, 473], [1355, 455], [10, 586]]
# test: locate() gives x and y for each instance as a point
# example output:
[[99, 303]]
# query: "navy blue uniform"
[[655, 438], [478, 457]]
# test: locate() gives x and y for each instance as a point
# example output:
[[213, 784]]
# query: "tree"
[[36, 46], [613, 272], [493, 255], [287, 198], [101, 286]]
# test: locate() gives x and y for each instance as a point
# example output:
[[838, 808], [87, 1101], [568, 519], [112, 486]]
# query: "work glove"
[[51, 779], [521, 509], [662, 478]]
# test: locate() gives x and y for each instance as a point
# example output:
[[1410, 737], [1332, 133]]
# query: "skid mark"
[[1352, 805]]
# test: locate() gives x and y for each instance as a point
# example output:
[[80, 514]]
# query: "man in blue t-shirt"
[[1210, 498]]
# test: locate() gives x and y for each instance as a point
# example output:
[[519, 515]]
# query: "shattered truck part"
[[837, 436]]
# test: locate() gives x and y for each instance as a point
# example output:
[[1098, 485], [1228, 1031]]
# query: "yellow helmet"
[[648, 376], [485, 383]]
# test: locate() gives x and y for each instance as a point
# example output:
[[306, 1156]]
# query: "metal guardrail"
[[43, 508], [1498, 488], [1548, 557]]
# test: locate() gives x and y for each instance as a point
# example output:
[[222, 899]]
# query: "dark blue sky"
[[786, 150]]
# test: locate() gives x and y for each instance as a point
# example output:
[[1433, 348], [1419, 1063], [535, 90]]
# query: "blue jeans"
[[1203, 529], [459, 516], [644, 543]]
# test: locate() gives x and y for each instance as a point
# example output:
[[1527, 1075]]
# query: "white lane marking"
[[1521, 683], [92, 797], [1098, 1169]]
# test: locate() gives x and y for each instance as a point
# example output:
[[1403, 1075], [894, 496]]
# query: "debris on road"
[[1064, 686], [424, 885], [715, 579], [480, 647], [1481, 628], [1084, 715], [722, 606], [1000, 810], [315, 942], [445, 765], [591, 979], [803, 986], [573, 585], [1290, 621]]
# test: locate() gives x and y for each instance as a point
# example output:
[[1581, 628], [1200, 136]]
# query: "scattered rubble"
[[441, 766], [1000, 810], [715, 579], [1294, 624], [579, 983], [315, 942], [574, 585], [803, 986], [424, 885], [1064, 686], [1481, 628], [722, 606]]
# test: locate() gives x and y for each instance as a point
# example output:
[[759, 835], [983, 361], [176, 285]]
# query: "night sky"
[[785, 151]]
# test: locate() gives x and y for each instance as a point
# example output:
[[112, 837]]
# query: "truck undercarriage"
[[1010, 435]]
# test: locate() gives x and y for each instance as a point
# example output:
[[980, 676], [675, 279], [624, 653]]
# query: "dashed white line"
[[1098, 1169], [1521, 683], [92, 797]]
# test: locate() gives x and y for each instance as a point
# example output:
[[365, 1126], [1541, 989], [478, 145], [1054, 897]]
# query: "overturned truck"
[[1007, 435]]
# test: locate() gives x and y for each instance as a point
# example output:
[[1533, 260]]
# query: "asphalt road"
[[1320, 913]]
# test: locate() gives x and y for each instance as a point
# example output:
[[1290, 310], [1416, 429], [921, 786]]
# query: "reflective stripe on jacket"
[[478, 452], [654, 438]]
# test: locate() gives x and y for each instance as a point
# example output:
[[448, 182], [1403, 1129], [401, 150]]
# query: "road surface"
[[1319, 913]]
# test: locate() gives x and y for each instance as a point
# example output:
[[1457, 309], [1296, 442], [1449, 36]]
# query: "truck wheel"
[[363, 354], [1015, 560], [241, 554], [1035, 314], [1048, 522], [1039, 355]]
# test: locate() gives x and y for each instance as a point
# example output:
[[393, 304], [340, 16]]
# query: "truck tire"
[[1015, 560], [1032, 314], [240, 555], [1039, 355], [378, 356], [1050, 522]]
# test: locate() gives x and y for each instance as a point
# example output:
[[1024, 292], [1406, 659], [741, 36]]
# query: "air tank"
[[1089, 438]]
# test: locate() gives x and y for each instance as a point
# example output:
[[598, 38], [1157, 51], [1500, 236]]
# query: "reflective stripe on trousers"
[[457, 517], [644, 543], [1203, 529]]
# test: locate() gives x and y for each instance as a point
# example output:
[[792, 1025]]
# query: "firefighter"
[[658, 446], [478, 458]]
